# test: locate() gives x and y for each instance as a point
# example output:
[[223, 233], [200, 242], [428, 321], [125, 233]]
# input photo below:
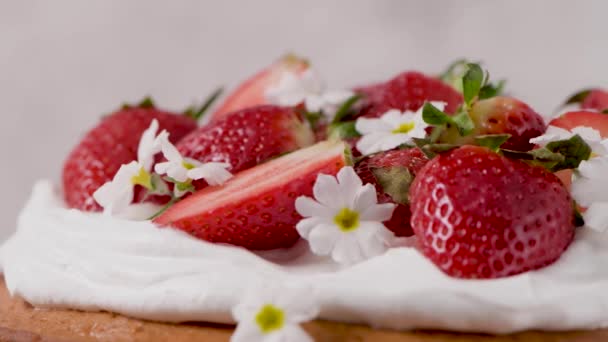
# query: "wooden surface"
[[21, 322]]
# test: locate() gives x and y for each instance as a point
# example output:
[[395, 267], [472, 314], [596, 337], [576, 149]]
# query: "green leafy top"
[[197, 113]]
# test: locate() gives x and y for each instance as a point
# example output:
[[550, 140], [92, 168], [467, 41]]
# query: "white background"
[[65, 63]]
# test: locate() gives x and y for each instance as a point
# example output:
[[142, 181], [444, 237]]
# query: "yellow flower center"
[[143, 178], [404, 128], [270, 318], [187, 166], [347, 220]]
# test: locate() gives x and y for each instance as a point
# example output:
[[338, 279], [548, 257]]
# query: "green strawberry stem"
[[345, 108], [197, 114]]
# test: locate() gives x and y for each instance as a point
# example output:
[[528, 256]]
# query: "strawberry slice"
[[252, 91], [595, 120], [256, 208]]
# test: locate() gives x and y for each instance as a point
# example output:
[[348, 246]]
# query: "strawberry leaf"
[[346, 108], [395, 181], [577, 97], [195, 113], [343, 130], [491, 90], [574, 151], [542, 157], [463, 122], [472, 81], [433, 116], [431, 150], [492, 141]]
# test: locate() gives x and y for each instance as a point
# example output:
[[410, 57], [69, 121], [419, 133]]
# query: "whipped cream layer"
[[66, 258]]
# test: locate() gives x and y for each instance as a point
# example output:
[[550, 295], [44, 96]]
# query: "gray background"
[[64, 63]]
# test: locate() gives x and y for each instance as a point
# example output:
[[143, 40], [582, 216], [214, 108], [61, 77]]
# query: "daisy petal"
[[364, 198], [322, 239], [367, 126], [378, 212], [308, 207], [347, 250], [325, 189], [596, 216]]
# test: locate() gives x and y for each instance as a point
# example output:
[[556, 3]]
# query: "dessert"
[[419, 202]]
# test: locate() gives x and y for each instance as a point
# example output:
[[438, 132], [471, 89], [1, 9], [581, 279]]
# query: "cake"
[[422, 202]]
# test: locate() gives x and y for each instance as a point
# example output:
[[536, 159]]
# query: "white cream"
[[66, 258]]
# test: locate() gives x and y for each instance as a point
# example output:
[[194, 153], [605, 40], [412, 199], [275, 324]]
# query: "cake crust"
[[19, 321]]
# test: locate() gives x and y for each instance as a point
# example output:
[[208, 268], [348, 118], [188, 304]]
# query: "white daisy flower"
[[115, 196], [271, 313], [344, 219], [591, 136], [184, 170], [392, 129], [308, 88], [590, 190]]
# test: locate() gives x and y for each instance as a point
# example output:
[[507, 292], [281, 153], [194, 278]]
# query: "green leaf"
[[491, 90], [312, 118], [574, 151], [492, 141], [164, 208], [395, 181], [472, 81], [577, 97], [345, 108], [463, 123], [541, 157], [433, 116], [343, 130], [349, 159], [579, 221], [196, 114]]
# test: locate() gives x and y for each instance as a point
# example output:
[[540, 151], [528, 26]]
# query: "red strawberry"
[[113, 142], [256, 208], [248, 137], [595, 120], [393, 164], [500, 115], [408, 91], [252, 91], [596, 99], [481, 215]]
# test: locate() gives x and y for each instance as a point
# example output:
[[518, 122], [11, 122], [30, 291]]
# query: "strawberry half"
[[595, 120], [407, 91], [256, 208], [252, 91], [478, 214], [113, 142], [391, 173], [248, 137]]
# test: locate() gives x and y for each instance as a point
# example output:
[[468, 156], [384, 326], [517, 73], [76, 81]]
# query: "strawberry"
[[396, 164], [407, 91], [502, 115], [113, 142], [596, 99], [256, 208], [247, 137], [595, 120], [478, 214], [252, 91]]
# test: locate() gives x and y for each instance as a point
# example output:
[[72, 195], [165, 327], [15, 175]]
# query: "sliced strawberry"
[[256, 208], [252, 91], [481, 215], [596, 99], [113, 142], [401, 167], [407, 91], [595, 120], [248, 137]]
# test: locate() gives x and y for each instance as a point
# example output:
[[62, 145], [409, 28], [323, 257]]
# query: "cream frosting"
[[66, 258]]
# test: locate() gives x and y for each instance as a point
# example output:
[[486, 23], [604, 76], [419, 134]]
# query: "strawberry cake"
[[421, 202]]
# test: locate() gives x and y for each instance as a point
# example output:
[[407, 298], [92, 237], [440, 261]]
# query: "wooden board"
[[19, 321]]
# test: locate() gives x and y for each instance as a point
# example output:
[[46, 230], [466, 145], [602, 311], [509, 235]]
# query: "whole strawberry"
[[502, 115], [252, 91], [391, 173], [256, 208], [407, 91], [595, 99], [248, 137], [478, 214], [113, 142]]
